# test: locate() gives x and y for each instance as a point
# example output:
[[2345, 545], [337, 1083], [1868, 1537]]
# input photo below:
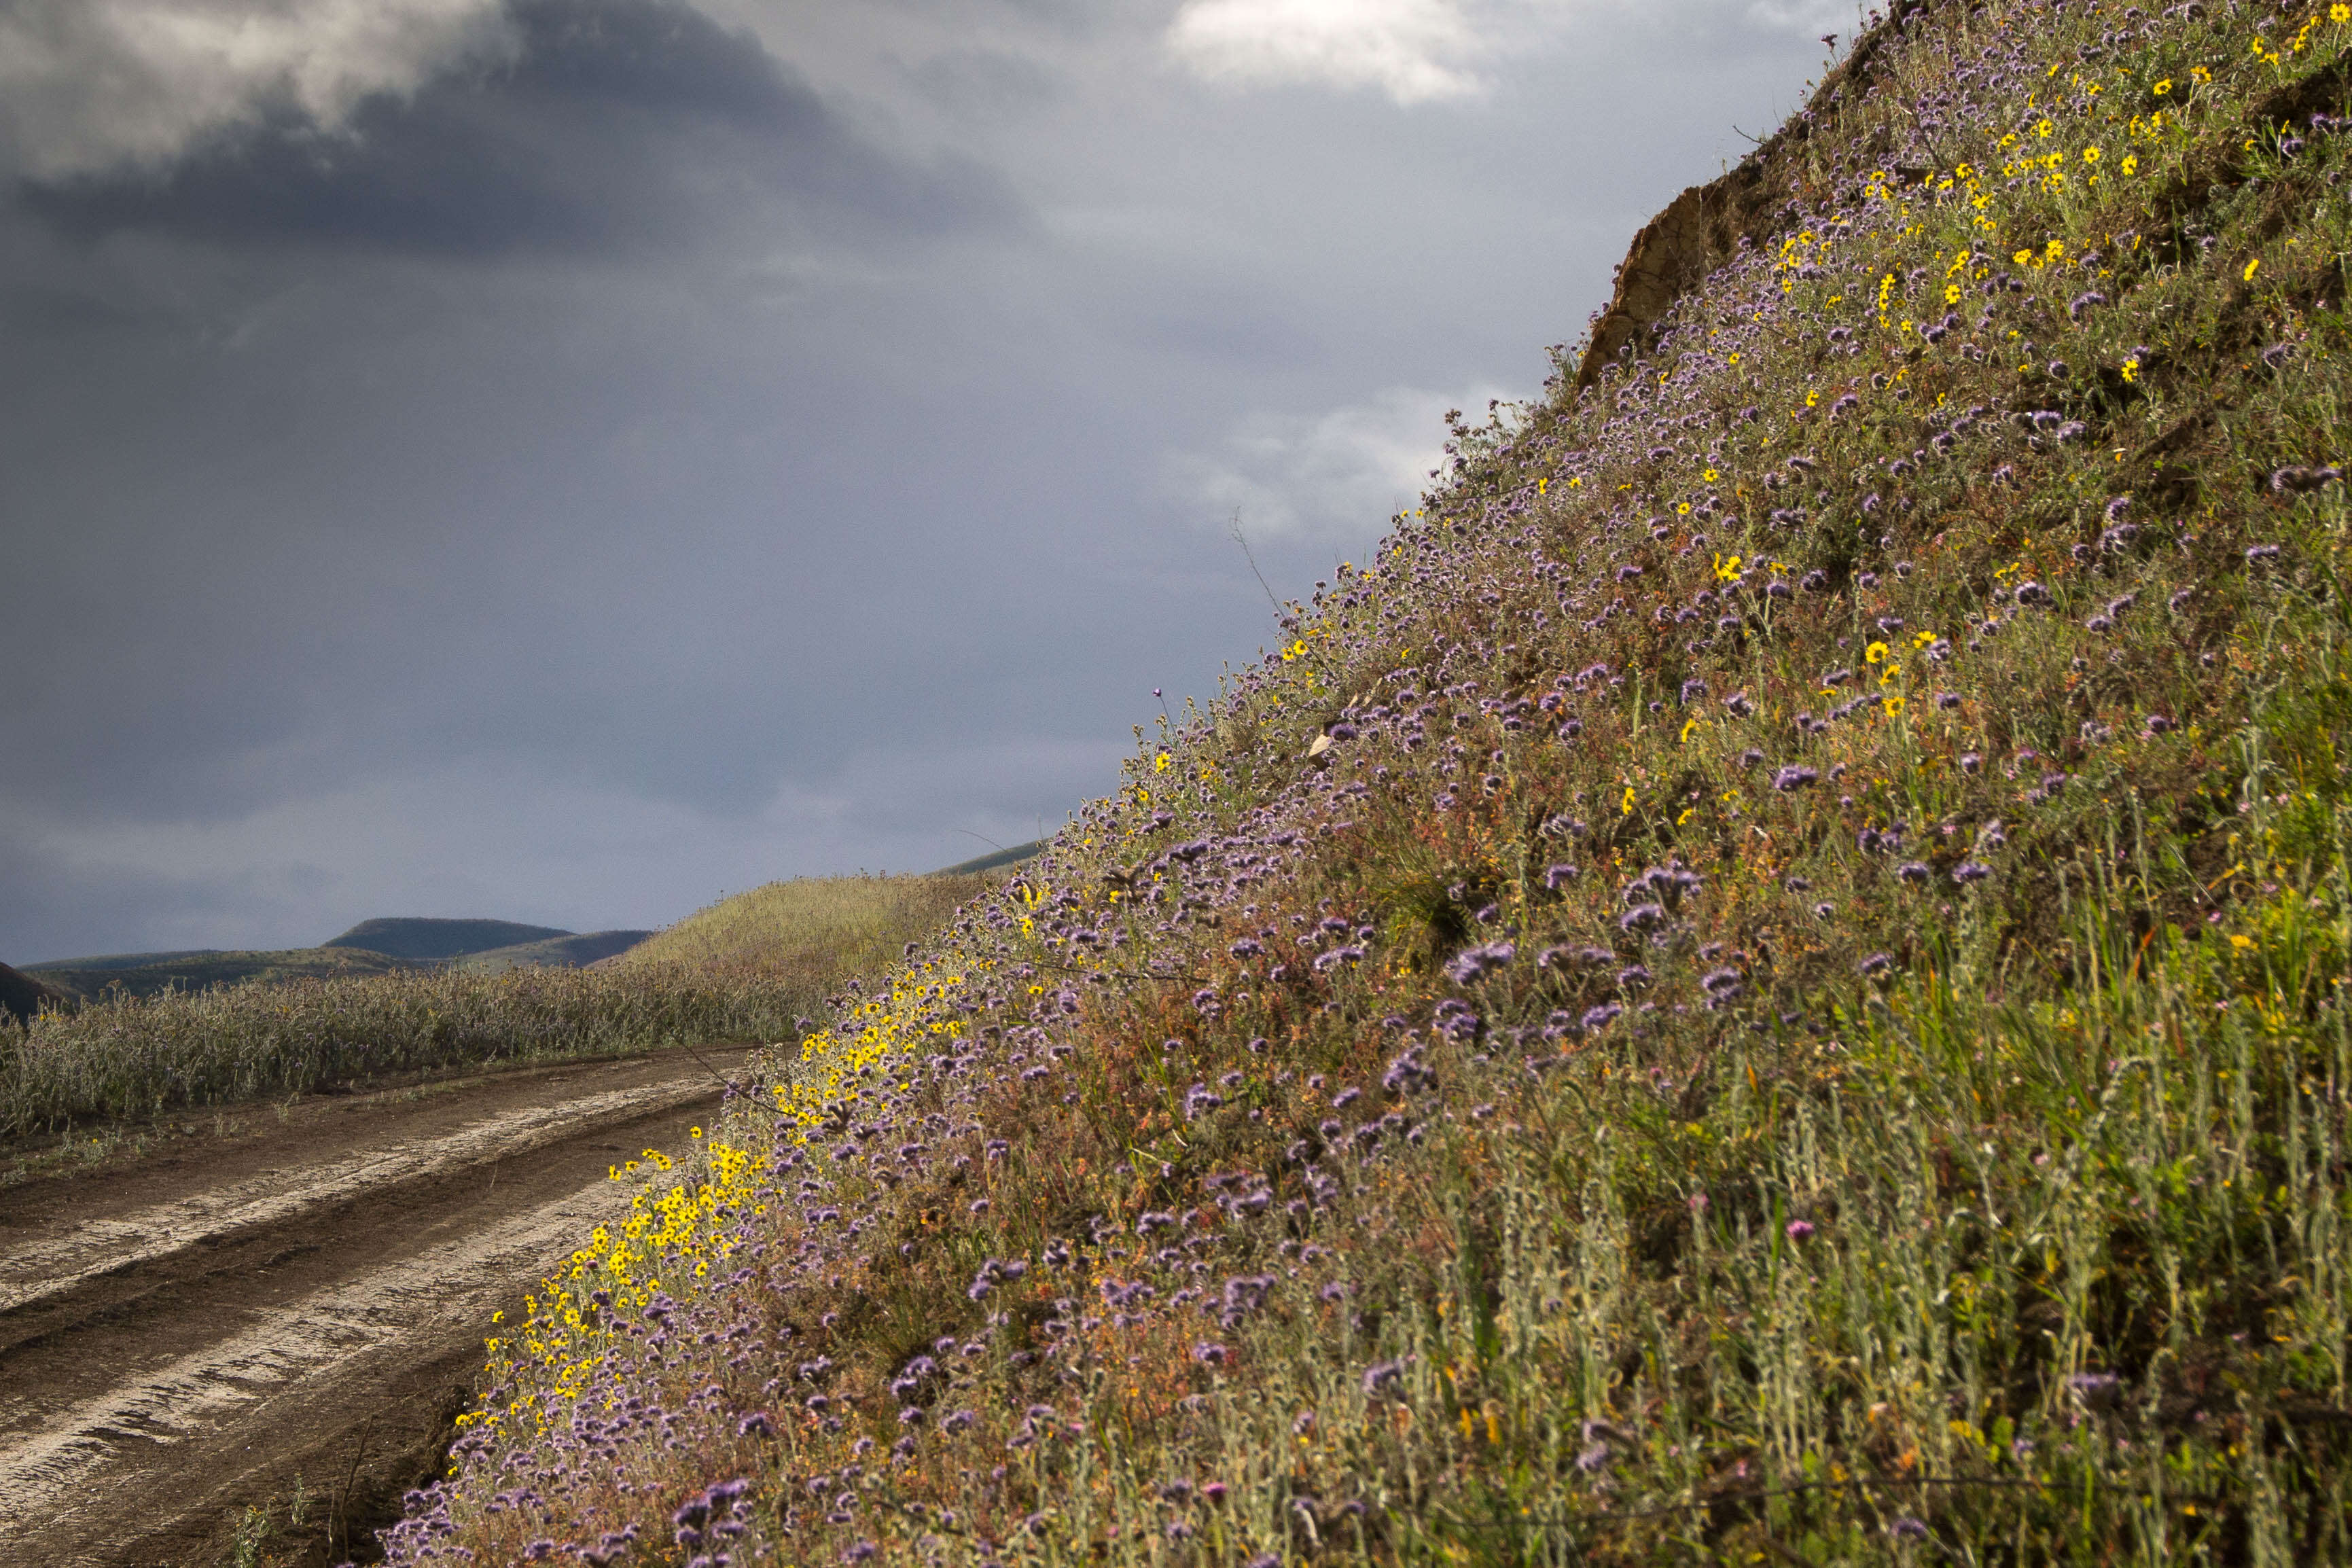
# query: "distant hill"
[[23, 997], [555, 952], [131, 960], [434, 939], [1011, 857], [202, 970]]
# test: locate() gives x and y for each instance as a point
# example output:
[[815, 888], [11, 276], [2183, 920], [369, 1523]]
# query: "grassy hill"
[[558, 951], [200, 970], [423, 939], [836, 926], [132, 959], [371, 947], [1764, 982]]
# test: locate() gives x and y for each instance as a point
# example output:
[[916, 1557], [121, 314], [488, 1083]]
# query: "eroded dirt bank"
[[293, 1311]]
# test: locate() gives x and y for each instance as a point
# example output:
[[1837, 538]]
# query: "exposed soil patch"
[[293, 1309]]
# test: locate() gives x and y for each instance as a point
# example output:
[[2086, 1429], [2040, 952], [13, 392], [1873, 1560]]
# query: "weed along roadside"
[[1763, 981]]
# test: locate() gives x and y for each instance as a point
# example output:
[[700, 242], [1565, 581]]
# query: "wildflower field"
[[1763, 984], [752, 967]]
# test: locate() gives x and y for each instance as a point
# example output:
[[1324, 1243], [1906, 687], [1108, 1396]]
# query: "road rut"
[[295, 1308]]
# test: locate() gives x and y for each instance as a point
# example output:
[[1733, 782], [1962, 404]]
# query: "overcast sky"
[[564, 459]]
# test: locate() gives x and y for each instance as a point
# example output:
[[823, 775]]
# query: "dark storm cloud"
[[617, 123]]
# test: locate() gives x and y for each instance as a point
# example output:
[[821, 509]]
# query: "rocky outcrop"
[[1702, 228], [1696, 234]]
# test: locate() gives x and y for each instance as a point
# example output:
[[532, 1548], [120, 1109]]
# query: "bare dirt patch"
[[285, 1314]]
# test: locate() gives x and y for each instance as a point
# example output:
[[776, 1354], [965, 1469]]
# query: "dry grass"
[[820, 928], [747, 968]]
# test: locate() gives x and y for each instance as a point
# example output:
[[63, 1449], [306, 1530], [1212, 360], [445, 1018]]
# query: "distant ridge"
[[132, 959], [86, 980], [22, 997], [1011, 857], [423, 939]]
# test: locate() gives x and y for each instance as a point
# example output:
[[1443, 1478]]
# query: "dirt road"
[[288, 1315]]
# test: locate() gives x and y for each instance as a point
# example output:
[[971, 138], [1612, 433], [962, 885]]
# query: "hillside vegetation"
[[555, 951], [830, 926], [23, 997], [86, 980], [1763, 983], [371, 947], [216, 1028]]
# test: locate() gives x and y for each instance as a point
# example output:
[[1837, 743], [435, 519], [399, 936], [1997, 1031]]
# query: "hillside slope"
[[222, 966], [23, 995], [552, 952], [418, 937], [1763, 983], [837, 926]]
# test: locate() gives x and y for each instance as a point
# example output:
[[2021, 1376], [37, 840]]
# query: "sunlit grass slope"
[[1762, 984], [833, 926]]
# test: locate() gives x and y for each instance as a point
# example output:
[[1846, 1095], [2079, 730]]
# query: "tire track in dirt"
[[32, 1274], [304, 1308]]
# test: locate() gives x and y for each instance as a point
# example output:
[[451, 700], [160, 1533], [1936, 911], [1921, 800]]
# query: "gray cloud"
[[602, 123], [818, 454], [88, 85]]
